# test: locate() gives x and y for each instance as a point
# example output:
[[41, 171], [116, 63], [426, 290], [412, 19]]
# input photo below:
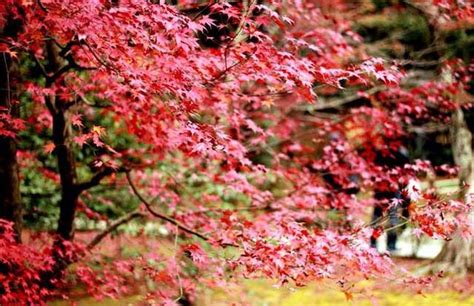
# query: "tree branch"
[[65, 50], [113, 226], [95, 180], [37, 61], [97, 57], [50, 105], [161, 216], [340, 102], [58, 73], [41, 5]]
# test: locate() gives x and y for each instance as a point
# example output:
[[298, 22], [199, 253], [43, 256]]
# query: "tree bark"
[[63, 151], [10, 200], [67, 173], [457, 254]]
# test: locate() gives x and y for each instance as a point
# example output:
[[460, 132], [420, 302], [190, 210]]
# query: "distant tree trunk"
[[457, 254], [10, 200]]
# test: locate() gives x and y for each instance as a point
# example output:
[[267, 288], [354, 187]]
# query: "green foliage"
[[381, 4], [40, 197], [412, 30], [40, 194], [460, 43]]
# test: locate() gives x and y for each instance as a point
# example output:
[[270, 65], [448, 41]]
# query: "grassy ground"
[[262, 293]]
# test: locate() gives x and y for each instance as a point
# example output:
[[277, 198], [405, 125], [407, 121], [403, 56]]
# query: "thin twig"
[[397, 226], [97, 57], [340, 102], [225, 71]]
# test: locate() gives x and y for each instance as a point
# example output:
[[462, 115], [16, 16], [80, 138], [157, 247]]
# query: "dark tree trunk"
[[64, 154], [10, 200], [67, 172]]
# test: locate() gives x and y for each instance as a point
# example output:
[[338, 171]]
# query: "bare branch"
[[162, 216], [113, 226], [95, 180], [340, 102], [428, 128]]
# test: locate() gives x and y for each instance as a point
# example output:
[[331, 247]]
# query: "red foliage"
[[214, 110], [20, 268]]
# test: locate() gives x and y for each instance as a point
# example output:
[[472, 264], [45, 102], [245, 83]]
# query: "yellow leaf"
[[98, 130]]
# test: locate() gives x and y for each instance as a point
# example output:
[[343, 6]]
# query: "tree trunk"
[[457, 255], [10, 200], [63, 151], [67, 173]]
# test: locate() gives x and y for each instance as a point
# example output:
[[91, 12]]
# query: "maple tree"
[[221, 94]]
